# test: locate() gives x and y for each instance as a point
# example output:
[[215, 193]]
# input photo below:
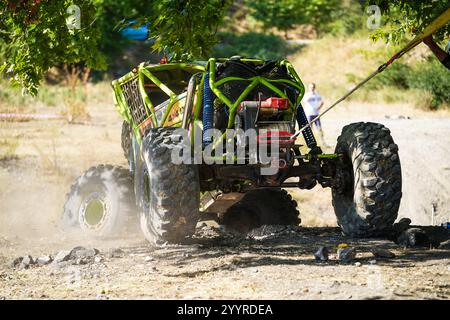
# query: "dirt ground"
[[48, 155]]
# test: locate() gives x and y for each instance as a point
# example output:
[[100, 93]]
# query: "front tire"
[[168, 194], [367, 201]]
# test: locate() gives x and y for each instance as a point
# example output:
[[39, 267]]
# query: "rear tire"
[[261, 207], [168, 193], [367, 203], [100, 202]]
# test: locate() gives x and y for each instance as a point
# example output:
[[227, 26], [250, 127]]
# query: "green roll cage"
[[147, 71], [140, 73]]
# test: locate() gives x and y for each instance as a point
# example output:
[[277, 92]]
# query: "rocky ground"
[[272, 263], [269, 263]]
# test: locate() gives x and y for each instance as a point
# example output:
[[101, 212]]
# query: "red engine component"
[[275, 103], [271, 105], [253, 113]]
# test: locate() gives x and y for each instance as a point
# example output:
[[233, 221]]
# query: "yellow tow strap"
[[437, 23]]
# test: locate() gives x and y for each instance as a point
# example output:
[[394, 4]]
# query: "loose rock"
[[27, 260], [321, 254], [413, 237], [15, 263], [81, 252], [382, 253], [346, 254], [23, 262], [81, 261], [44, 260], [211, 234], [418, 236], [62, 256]]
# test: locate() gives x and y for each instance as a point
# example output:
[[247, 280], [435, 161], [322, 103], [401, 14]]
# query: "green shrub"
[[349, 18], [432, 77], [429, 78], [251, 45], [396, 75]]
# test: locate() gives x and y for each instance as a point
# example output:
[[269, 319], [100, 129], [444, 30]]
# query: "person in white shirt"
[[312, 102]]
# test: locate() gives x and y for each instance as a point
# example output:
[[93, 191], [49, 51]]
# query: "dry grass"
[[8, 148], [329, 61], [49, 160], [337, 64], [70, 98]]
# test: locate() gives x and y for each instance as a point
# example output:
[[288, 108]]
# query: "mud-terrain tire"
[[126, 140], [368, 204], [168, 193], [261, 207], [100, 202]]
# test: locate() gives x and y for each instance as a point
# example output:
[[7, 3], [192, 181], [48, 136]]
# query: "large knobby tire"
[[168, 193], [261, 207], [368, 204], [100, 202]]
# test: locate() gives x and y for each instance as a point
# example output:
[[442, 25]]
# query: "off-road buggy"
[[263, 97]]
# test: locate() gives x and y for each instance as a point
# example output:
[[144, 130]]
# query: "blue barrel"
[[135, 33]]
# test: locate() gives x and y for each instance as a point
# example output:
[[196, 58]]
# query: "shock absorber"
[[307, 133], [208, 111]]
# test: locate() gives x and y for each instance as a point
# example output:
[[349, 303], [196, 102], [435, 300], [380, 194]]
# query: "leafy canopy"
[[34, 36], [407, 17], [187, 28], [285, 14]]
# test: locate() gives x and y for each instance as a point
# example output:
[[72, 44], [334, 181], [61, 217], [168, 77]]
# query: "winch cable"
[[438, 23]]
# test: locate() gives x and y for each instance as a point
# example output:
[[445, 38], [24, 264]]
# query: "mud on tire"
[[368, 204], [261, 207], [100, 202], [168, 194]]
